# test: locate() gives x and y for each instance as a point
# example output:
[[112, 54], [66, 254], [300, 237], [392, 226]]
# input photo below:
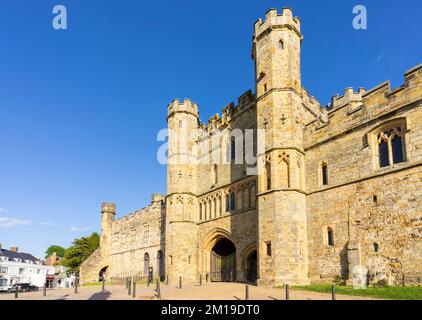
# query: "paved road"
[[213, 291]]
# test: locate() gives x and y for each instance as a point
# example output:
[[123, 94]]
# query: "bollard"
[[76, 285], [129, 291], [16, 292], [44, 291], [247, 292], [127, 283], [158, 290], [156, 286], [103, 286], [134, 288], [206, 277], [287, 291], [180, 282], [200, 279], [333, 292], [167, 280]]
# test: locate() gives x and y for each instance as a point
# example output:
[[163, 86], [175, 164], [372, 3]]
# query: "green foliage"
[[396, 293], [80, 250], [380, 284], [54, 248]]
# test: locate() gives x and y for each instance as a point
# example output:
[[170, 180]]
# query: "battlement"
[[157, 197], [350, 97], [229, 111], [273, 20], [108, 207], [357, 107], [187, 107]]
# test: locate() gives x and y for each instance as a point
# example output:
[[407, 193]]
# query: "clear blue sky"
[[80, 109]]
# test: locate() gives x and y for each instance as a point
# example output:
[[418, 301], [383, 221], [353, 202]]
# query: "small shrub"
[[381, 284]]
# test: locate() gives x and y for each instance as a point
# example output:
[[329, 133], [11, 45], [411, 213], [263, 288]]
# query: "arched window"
[[281, 44], [200, 212], [268, 173], [376, 247], [215, 208], [253, 196], [246, 198], [227, 203], [146, 263], [232, 201], [330, 236], [233, 149], [324, 174], [390, 146]]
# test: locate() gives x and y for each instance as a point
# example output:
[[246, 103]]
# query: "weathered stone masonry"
[[341, 185]]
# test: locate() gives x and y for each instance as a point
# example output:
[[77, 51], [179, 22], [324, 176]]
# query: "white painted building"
[[19, 267]]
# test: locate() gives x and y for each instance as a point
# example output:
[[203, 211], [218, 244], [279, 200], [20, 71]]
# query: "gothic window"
[[146, 263], [324, 174], [233, 149], [227, 203], [232, 201], [246, 198], [268, 177], [390, 146], [253, 196], [330, 237], [200, 212], [215, 208]]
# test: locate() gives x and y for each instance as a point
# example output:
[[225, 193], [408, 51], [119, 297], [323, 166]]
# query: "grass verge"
[[396, 293]]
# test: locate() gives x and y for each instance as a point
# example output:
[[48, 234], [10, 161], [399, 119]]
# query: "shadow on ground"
[[100, 296]]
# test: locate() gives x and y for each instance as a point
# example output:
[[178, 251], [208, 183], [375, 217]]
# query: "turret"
[[281, 184], [108, 213], [181, 200]]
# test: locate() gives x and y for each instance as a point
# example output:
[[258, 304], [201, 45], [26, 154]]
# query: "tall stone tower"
[[181, 200], [108, 213], [282, 249]]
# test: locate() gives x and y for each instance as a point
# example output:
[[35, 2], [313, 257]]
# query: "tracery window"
[[390, 146]]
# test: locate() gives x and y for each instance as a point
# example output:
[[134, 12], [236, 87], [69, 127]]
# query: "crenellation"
[[275, 20], [324, 202]]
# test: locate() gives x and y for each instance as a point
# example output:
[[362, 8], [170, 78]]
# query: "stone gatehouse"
[[341, 186]]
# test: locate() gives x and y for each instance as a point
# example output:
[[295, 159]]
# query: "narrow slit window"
[[330, 237]]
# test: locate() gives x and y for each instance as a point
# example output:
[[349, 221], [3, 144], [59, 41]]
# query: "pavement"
[[209, 291]]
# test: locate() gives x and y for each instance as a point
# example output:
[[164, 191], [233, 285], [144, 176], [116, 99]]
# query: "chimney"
[[14, 249]]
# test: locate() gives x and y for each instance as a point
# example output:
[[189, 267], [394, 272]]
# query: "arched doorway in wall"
[[223, 261], [160, 265], [251, 264], [102, 275], [146, 264]]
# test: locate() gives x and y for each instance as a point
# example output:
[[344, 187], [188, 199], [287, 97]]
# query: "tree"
[[54, 248], [80, 250]]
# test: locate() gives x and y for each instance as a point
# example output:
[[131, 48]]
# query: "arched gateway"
[[223, 261], [219, 256]]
